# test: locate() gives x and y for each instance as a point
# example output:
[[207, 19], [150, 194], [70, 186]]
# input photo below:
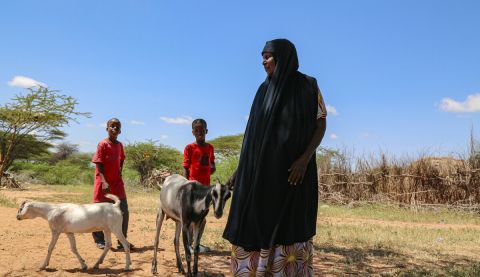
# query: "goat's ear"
[[218, 180], [23, 203], [228, 194]]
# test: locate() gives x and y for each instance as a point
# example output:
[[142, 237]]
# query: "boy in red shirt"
[[199, 160], [198, 157], [109, 159]]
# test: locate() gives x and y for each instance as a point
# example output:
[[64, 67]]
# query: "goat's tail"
[[114, 198]]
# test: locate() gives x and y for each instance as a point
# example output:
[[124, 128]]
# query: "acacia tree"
[[227, 146], [63, 151], [27, 148], [39, 113]]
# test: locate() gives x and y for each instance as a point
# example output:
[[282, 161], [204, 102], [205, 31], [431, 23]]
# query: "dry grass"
[[6, 202]]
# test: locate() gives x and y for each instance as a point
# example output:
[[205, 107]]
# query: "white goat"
[[74, 218]]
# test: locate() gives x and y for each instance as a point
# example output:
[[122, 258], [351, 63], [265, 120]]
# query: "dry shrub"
[[156, 177], [9, 182]]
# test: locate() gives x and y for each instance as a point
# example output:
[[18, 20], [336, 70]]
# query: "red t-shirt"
[[110, 155], [198, 160]]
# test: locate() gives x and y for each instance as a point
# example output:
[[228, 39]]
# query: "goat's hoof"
[[126, 269], [43, 267], [84, 267], [154, 269], [95, 266]]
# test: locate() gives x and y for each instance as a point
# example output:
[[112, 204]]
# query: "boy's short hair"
[[201, 121], [114, 119]]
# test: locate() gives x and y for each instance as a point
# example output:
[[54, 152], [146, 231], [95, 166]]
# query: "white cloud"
[[25, 82], [163, 136], [470, 105], [177, 120], [136, 122], [247, 117], [331, 110], [333, 136]]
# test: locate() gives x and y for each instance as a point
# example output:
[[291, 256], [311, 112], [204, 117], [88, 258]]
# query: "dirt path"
[[358, 221], [23, 246]]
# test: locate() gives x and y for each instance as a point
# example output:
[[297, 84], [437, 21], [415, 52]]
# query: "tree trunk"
[[6, 159], [1, 175]]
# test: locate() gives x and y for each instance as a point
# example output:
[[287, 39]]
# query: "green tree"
[[27, 149], [40, 113], [63, 151], [227, 146], [146, 156]]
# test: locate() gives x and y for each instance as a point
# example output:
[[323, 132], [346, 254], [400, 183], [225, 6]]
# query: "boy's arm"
[[212, 163], [122, 159], [105, 185], [212, 168], [186, 162]]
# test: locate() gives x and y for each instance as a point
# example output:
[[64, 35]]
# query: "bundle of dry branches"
[[156, 177], [427, 181], [9, 182]]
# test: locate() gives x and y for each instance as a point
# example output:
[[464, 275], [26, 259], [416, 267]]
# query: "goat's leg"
[[186, 245], [108, 243], [73, 247], [126, 246], [176, 243], [55, 236], [160, 217], [197, 234]]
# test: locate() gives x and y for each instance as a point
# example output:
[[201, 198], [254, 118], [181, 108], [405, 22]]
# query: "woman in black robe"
[[272, 218]]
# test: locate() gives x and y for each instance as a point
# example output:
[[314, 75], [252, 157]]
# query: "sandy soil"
[[23, 247], [24, 244]]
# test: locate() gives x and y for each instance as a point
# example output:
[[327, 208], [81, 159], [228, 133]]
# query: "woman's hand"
[[297, 170]]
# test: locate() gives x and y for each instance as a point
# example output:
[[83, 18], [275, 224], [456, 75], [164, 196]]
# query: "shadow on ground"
[[335, 260]]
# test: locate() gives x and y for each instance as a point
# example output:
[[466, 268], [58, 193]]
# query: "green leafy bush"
[[59, 174], [146, 156]]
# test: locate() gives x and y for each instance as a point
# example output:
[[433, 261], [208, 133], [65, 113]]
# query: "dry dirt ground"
[[23, 246]]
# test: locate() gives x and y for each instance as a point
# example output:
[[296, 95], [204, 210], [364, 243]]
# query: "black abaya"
[[266, 210]]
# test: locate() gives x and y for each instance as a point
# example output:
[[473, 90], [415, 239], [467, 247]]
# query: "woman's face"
[[268, 63]]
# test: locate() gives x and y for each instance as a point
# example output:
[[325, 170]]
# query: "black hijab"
[[265, 209]]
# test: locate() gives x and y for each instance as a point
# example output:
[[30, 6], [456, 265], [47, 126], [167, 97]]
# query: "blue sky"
[[402, 76]]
